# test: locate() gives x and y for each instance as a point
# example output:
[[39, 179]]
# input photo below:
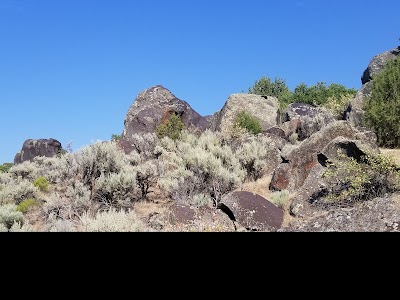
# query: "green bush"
[[116, 137], [246, 121], [350, 180], [172, 128], [42, 184], [4, 168], [320, 94], [26, 205], [382, 109]]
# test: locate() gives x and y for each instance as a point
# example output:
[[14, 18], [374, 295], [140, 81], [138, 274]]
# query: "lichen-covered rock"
[[377, 215], [378, 63], [33, 148], [305, 120], [155, 106], [252, 211], [187, 218], [263, 108]]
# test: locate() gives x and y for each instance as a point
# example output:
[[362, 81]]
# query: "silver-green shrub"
[[9, 215]]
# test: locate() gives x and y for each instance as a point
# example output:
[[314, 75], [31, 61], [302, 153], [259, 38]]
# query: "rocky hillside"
[[304, 170]]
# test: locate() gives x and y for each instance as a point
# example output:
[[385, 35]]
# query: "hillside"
[[271, 160]]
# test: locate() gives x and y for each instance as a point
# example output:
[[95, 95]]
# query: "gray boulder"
[[252, 211], [378, 63], [33, 148], [155, 106], [263, 108], [355, 111]]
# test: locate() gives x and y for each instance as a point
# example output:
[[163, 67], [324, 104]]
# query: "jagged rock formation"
[[155, 106]]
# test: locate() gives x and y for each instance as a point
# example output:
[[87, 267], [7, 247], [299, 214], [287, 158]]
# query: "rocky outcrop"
[[305, 120], [263, 108], [33, 148], [252, 211], [155, 106], [305, 203], [378, 63], [187, 218], [355, 111], [378, 215], [298, 161]]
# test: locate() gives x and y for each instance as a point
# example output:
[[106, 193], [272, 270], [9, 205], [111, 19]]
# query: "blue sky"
[[70, 69]]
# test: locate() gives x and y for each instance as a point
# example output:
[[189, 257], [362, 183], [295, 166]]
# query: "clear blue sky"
[[70, 69]]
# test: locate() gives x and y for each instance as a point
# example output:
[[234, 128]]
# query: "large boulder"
[[355, 111], [33, 148], [155, 106], [262, 107], [305, 120], [378, 63], [252, 211], [298, 161], [308, 199]]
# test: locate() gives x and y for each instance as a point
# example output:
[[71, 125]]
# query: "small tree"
[[172, 128], [382, 109], [116, 137], [4, 168]]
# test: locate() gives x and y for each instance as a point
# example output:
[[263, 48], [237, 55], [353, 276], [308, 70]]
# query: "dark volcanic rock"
[[155, 106], [252, 211], [34, 148], [299, 161], [378, 63], [305, 120]]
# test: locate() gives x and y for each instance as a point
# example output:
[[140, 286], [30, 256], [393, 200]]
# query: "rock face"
[[263, 108], [314, 185], [305, 120], [252, 211], [354, 113], [155, 106], [378, 215], [378, 63], [34, 148], [298, 162]]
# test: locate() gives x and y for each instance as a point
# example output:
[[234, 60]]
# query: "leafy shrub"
[[382, 108], [26, 205], [246, 121], [319, 94], [350, 180], [42, 184], [9, 215], [4, 168], [338, 104], [172, 128], [116, 137], [265, 87]]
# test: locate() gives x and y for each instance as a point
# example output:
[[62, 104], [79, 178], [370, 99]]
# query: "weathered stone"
[[300, 160], [305, 120], [378, 63], [33, 148], [252, 211], [187, 218], [355, 111], [263, 108], [155, 106], [377, 215]]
